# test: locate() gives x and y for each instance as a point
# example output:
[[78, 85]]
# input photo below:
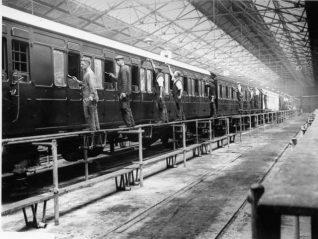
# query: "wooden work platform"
[[295, 188], [292, 190]]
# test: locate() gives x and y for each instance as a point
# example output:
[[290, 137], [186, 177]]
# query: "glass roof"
[[261, 42]]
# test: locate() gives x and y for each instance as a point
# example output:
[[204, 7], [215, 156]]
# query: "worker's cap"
[[177, 74], [118, 57]]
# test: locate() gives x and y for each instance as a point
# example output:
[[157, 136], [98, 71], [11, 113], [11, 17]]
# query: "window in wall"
[[142, 80], [220, 91], [167, 84], [202, 88], [109, 68], [135, 78], [192, 87], [227, 92], [189, 80], [20, 59], [206, 90], [4, 60], [59, 68], [41, 65], [185, 85], [98, 70], [149, 80], [73, 69], [196, 87]]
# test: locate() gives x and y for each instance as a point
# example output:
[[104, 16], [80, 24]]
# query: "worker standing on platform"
[[177, 91], [251, 90], [256, 100], [90, 95], [239, 93], [159, 94], [212, 106], [123, 79]]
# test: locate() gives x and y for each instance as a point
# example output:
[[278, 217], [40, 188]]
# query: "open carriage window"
[[4, 60], [20, 59], [98, 70], [135, 78], [59, 68], [73, 69], [109, 68]]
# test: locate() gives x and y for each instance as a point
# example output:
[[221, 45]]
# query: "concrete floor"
[[193, 202]]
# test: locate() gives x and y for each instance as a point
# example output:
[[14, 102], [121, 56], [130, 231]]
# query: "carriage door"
[[111, 104], [75, 107], [135, 88]]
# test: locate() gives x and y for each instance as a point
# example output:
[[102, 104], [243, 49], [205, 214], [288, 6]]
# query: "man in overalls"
[[177, 90], [123, 80], [159, 94]]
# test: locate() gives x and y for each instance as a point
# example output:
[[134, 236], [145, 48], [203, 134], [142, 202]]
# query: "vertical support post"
[[240, 128], [196, 131], [140, 158], [184, 144], [227, 121], [314, 226], [55, 183], [210, 131], [264, 121], [265, 222], [174, 136], [296, 229], [250, 130], [85, 152]]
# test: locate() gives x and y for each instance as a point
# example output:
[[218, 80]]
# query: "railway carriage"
[[38, 98]]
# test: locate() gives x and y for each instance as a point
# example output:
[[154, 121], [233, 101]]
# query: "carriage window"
[[98, 70], [227, 92], [149, 80], [206, 90], [185, 85], [59, 68], [202, 89], [196, 87], [4, 60], [20, 59], [73, 69], [135, 78], [142, 80], [232, 93], [167, 84], [109, 68], [220, 91]]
